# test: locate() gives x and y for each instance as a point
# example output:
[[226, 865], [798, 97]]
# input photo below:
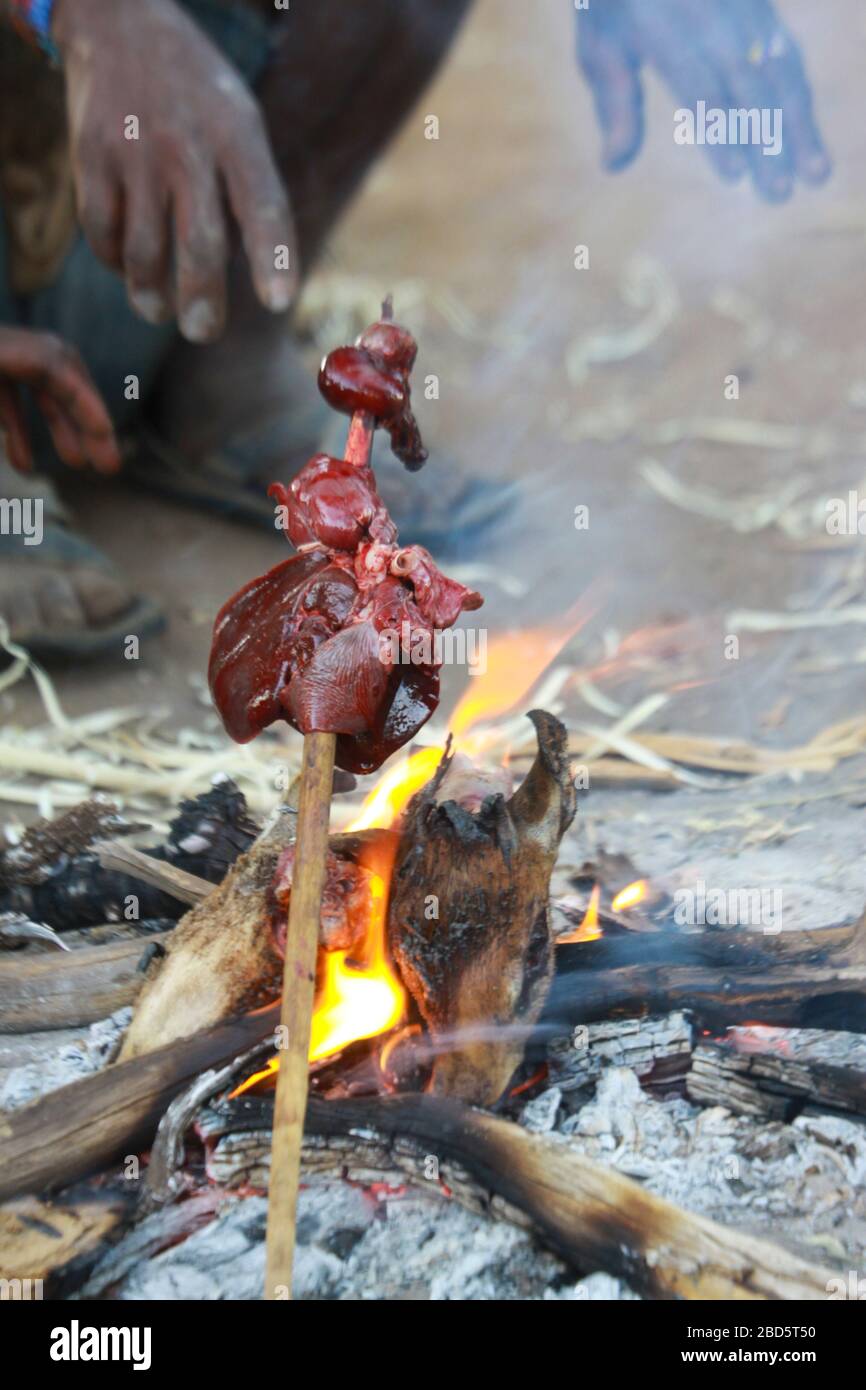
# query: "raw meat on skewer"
[[313, 640]]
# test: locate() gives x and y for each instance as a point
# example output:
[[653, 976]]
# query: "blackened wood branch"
[[774, 1074], [800, 979], [94, 1123], [591, 1215]]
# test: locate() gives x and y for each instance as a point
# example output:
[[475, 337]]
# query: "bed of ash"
[[801, 1184]]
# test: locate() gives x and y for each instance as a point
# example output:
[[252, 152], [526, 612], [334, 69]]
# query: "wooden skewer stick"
[[299, 971], [299, 984]]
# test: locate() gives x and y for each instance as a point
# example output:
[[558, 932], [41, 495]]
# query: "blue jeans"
[[87, 303]]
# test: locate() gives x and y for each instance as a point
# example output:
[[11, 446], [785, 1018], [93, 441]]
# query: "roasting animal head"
[[469, 920]]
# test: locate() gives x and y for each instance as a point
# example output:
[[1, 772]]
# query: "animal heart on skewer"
[[313, 640]]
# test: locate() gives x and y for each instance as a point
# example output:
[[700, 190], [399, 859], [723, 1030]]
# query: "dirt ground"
[[487, 219]]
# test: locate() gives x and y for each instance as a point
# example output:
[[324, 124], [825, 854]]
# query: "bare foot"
[[39, 597], [59, 596]]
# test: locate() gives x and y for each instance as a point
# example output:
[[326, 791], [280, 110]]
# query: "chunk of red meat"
[[346, 901], [255, 650], [440, 600], [312, 641], [373, 377], [333, 503], [290, 645]]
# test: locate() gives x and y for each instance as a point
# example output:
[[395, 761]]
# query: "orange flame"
[[271, 1069], [589, 929], [360, 995], [397, 787], [630, 896], [515, 662]]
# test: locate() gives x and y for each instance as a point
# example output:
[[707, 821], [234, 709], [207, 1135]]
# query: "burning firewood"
[[488, 871], [775, 1072], [796, 979], [469, 921], [226, 955], [593, 1216]]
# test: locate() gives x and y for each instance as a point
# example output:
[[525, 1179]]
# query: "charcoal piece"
[[53, 876]]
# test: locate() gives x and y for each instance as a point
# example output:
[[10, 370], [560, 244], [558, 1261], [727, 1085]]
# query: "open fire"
[[359, 993]]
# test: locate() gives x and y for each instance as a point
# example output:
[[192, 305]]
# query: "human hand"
[[66, 396], [167, 141], [728, 53]]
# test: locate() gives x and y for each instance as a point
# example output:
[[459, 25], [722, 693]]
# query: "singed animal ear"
[[547, 796]]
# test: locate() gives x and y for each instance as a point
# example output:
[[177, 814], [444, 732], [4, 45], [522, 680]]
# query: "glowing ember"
[[759, 1037], [537, 1076], [589, 929], [630, 896]]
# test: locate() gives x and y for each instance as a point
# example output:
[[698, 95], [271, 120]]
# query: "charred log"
[[55, 875], [44, 844], [95, 1122], [794, 980], [776, 1073], [591, 1215]]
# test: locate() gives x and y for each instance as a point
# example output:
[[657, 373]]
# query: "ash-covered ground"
[[799, 1184]]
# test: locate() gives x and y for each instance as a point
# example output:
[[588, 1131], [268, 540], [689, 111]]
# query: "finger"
[[811, 159], [67, 442], [77, 444], [778, 56], [769, 155], [754, 98], [66, 384], [100, 204], [261, 208], [14, 427], [614, 77], [201, 254], [146, 249], [693, 79]]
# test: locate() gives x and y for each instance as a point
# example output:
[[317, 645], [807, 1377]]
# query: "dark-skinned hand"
[[160, 208], [728, 53], [65, 395]]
